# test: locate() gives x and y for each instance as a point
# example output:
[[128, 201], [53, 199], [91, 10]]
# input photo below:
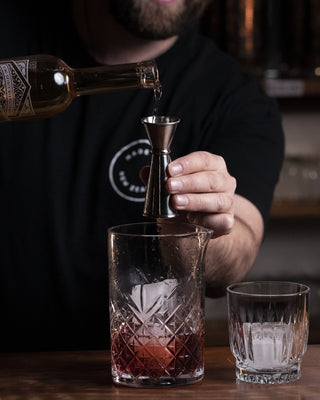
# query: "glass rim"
[[231, 289], [197, 229]]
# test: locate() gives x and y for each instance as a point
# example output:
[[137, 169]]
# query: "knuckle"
[[233, 183], [221, 182], [228, 223], [214, 182], [206, 158], [223, 202], [218, 160], [222, 224], [202, 203], [193, 183], [217, 181], [221, 162]]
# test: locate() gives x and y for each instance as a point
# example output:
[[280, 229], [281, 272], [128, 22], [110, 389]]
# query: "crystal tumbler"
[[268, 330]]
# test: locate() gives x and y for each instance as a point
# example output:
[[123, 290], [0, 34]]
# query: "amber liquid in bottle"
[[42, 86]]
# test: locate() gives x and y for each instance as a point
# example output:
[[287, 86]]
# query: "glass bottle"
[[41, 86]]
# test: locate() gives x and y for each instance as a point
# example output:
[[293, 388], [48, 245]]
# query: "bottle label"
[[15, 99]]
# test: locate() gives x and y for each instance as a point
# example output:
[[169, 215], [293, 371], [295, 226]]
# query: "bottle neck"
[[117, 77]]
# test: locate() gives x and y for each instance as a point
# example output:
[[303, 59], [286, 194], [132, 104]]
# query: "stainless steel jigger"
[[160, 131]]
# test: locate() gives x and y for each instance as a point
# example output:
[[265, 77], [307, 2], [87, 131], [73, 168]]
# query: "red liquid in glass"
[[156, 357]]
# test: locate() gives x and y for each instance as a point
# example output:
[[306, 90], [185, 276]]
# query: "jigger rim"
[[160, 120], [180, 229]]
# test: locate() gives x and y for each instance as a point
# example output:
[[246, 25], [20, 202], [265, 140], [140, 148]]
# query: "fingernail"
[[175, 185], [181, 200], [175, 169]]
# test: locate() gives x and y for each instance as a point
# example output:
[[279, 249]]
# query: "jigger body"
[[160, 131]]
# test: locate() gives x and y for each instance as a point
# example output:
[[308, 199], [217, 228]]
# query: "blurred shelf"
[[295, 208], [292, 88]]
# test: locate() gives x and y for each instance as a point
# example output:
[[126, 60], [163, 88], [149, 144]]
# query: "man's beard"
[[152, 20]]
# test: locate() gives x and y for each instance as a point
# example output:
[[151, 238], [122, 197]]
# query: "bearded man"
[[65, 180]]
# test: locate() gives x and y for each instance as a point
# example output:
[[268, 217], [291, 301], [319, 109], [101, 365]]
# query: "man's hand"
[[202, 188]]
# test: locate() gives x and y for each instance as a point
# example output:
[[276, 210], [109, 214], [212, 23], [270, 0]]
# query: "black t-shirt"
[[65, 180]]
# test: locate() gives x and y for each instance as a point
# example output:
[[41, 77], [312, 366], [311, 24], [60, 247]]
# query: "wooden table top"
[[86, 375]]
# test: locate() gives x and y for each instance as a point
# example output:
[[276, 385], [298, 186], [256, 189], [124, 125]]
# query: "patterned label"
[[15, 99]]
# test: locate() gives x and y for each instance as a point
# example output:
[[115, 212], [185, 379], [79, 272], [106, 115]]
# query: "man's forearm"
[[229, 258]]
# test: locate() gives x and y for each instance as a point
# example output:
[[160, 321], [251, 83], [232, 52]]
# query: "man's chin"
[[157, 21]]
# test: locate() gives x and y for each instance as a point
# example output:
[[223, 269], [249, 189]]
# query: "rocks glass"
[[268, 330]]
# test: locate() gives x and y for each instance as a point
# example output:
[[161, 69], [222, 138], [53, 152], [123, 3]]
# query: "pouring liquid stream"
[[157, 96]]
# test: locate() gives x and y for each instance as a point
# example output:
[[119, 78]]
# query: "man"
[[65, 180]]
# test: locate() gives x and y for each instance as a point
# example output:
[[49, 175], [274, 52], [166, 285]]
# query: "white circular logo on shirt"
[[125, 167]]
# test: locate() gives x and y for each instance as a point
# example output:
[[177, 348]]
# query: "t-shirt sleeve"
[[250, 138]]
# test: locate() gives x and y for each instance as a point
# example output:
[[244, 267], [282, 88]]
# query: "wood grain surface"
[[86, 376]]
